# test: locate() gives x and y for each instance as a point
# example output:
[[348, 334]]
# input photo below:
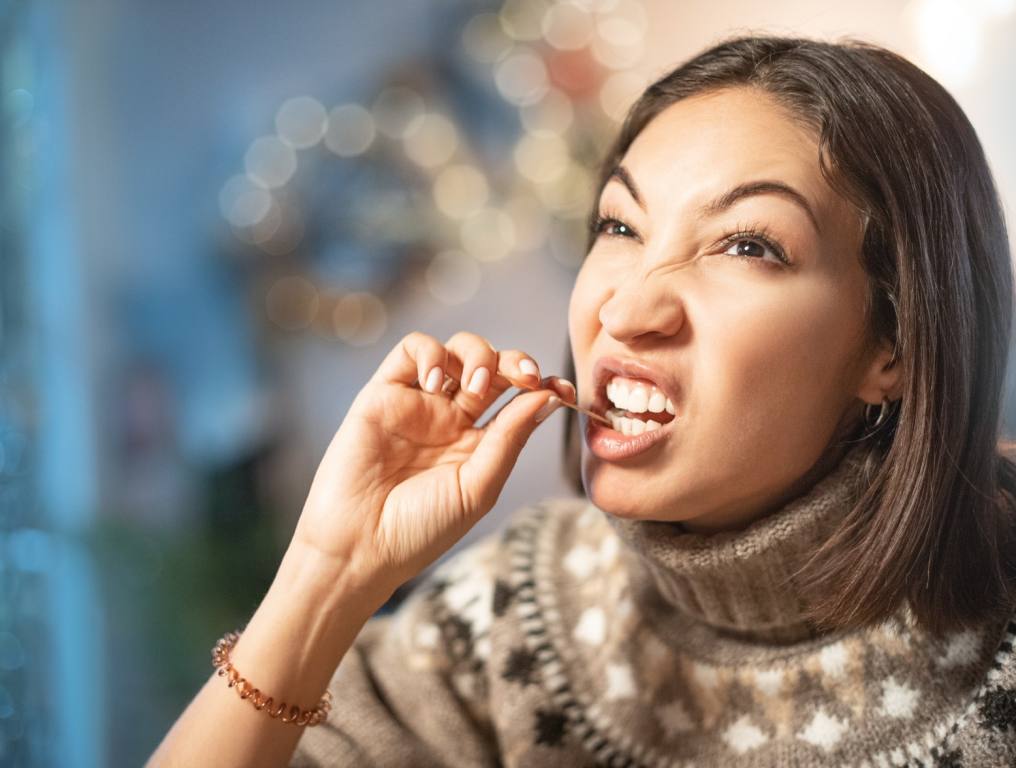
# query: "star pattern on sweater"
[[591, 627], [898, 699], [472, 597], [427, 635], [620, 682], [674, 718], [998, 708], [458, 635], [743, 735], [819, 703], [520, 667], [823, 731], [581, 561], [769, 681], [833, 659], [706, 676], [960, 650], [550, 727]]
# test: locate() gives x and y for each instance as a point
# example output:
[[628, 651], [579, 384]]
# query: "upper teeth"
[[637, 398]]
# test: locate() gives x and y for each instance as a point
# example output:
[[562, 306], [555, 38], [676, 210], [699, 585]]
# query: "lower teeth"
[[631, 426]]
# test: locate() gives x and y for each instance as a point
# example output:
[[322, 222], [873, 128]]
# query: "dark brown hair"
[[935, 524]]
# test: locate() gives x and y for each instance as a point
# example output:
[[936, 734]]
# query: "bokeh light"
[[554, 112], [541, 156], [350, 130], [567, 26], [618, 93], [619, 42], [460, 190], [270, 161], [597, 6], [522, 77], [488, 235], [523, 19], [430, 139], [359, 318], [484, 38], [243, 202], [287, 235], [570, 194], [301, 122]]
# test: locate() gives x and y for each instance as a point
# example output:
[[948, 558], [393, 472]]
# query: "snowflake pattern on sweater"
[[550, 657]]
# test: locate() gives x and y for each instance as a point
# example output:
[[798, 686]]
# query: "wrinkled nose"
[[636, 311]]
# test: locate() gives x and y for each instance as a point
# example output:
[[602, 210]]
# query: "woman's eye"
[[747, 248], [613, 228]]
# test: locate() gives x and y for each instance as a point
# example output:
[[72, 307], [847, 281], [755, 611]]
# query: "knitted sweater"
[[574, 638]]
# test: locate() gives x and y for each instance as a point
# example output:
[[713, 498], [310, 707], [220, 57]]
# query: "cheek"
[[784, 368]]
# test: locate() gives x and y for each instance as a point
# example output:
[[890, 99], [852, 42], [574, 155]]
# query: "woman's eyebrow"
[[727, 199]]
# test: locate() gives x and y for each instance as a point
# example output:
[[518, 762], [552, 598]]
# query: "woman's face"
[[765, 361]]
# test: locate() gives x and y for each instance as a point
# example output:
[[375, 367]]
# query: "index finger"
[[414, 359]]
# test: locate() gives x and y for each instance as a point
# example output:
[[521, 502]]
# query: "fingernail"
[[547, 408], [434, 379], [529, 368], [478, 381], [570, 386]]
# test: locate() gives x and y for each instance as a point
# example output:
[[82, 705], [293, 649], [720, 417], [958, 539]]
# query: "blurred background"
[[215, 220]]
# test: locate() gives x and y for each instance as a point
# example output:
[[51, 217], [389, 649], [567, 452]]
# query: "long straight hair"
[[934, 527]]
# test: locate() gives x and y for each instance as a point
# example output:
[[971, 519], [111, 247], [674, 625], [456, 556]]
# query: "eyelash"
[[755, 232]]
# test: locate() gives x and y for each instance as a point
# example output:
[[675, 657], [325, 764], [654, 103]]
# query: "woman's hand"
[[408, 473]]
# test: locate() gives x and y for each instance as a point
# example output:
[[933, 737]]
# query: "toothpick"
[[578, 408], [586, 411]]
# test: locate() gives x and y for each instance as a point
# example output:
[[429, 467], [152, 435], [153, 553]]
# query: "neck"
[[744, 582]]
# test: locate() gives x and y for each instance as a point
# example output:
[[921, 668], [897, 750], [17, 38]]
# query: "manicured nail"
[[434, 379], [478, 381], [529, 368], [575, 394], [547, 408]]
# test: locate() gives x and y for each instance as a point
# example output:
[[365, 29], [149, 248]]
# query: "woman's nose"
[[637, 310]]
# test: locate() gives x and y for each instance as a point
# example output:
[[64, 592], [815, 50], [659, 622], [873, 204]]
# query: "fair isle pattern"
[[535, 552], [527, 650], [1002, 671], [608, 746]]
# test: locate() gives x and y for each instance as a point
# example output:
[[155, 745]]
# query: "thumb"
[[485, 472]]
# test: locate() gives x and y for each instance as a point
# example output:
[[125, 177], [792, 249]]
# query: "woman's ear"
[[882, 376]]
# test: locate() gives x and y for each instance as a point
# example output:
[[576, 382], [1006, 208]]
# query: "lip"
[[610, 445], [606, 443], [608, 366]]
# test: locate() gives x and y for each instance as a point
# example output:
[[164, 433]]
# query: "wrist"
[[333, 585], [309, 618]]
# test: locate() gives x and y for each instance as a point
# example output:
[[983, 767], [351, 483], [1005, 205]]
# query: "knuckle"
[[423, 342], [512, 355], [472, 346]]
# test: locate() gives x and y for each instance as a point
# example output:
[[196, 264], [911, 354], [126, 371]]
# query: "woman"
[[797, 546]]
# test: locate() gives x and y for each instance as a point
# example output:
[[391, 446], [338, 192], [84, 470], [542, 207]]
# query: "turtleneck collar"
[[741, 582]]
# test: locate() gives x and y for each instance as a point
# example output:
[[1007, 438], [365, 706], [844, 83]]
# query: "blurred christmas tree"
[[484, 149]]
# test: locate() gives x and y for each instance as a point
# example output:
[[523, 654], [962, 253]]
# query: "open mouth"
[[634, 406], [640, 401]]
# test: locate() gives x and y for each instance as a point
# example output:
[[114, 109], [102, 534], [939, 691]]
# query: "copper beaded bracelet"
[[291, 714]]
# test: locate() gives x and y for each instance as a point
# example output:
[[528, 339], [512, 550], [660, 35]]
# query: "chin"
[[618, 498]]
